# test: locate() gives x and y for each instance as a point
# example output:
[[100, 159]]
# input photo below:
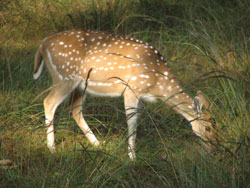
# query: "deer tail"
[[38, 64]]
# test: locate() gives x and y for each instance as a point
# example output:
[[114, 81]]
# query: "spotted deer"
[[97, 63]]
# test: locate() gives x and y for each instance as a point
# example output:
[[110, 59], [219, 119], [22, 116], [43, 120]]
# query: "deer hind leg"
[[131, 103], [56, 96], [77, 99]]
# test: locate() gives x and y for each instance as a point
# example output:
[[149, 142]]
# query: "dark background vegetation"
[[206, 44]]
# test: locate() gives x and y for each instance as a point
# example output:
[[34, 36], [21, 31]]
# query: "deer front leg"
[[131, 107]]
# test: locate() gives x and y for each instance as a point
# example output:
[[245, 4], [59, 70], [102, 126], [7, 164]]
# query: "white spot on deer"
[[133, 78], [117, 81]]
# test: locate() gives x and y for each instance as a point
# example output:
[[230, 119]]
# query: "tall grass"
[[206, 43]]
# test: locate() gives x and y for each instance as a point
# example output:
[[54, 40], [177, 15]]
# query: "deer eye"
[[208, 129], [213, 122]]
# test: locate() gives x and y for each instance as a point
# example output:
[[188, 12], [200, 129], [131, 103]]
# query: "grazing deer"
[[90, 62]]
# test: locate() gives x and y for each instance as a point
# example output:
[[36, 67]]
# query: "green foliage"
[[206, 43]]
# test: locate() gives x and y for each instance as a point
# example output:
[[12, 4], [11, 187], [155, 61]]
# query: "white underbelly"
[[102, 89]]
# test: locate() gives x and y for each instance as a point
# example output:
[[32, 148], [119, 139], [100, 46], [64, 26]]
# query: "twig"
[[8, 65]]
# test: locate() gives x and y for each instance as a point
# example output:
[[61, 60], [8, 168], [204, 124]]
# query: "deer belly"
[[101, 88]]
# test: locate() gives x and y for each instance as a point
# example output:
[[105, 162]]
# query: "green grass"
[[206, 44]]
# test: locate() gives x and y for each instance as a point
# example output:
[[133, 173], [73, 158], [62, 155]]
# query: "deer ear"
[[197, 105], [199, 101], [203, 100]]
